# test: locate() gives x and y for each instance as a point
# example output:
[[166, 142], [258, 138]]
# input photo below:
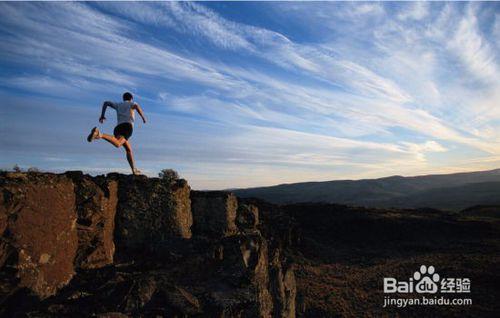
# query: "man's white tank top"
[[124, 112]]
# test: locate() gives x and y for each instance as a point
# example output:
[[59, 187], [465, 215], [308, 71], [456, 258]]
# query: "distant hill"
[[447, 191]]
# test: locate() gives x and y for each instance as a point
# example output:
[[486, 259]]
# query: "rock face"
[[247, 217], [95, 203], [129, 241], [214, 212], [150, 211], [38, 228], [283, 287]]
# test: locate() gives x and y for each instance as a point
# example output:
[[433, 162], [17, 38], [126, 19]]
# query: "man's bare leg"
[[130, 156], [117, 142]]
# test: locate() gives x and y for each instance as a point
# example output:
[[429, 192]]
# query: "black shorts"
[[123, 129]]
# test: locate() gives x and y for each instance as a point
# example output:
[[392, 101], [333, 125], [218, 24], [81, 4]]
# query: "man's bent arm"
[[139, 110], [103, 111]]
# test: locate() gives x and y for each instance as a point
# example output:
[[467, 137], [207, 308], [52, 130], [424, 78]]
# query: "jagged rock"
[[138, 294], [154, 294], [228, 269], [180, 300], [280, 230], [96, 200], [246, 261], [150, 211], [289, 303], [214, 213], [247, 217], [282, 287], [38, 230]]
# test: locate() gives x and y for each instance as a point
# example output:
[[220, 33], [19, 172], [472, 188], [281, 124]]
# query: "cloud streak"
[[325, 90]]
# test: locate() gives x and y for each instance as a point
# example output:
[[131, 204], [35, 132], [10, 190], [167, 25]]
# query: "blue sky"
[[253, 93]]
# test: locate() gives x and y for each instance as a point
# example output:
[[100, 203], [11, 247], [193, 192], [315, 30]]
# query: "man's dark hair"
[[127, 96]]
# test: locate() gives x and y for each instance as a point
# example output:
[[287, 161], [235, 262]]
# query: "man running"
[[125, 116]]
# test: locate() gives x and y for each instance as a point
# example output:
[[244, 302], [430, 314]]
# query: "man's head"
[[127, 96]]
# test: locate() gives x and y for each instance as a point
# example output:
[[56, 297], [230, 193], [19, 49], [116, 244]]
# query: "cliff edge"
[[118, 246]]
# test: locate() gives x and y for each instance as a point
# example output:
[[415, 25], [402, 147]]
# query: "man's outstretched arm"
[[141, 113], [103, 111]]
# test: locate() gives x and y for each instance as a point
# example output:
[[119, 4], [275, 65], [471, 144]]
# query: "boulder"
[[149, 211], [38, 230], [214, 213]]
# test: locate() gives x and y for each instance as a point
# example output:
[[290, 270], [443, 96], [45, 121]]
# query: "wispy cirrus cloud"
[[415, 11], [321, 91], [473, 50]]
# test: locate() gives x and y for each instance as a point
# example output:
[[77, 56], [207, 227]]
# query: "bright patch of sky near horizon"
[[252, 93]]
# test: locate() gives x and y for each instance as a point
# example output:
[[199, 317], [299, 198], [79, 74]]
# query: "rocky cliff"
[[118, 246]]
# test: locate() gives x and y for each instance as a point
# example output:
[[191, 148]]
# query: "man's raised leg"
[[117, 142]]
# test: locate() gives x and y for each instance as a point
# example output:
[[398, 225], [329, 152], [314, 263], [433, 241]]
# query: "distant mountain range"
[[446, 191]]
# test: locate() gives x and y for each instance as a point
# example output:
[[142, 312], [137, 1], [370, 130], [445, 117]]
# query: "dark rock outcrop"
[[214, 212], [150, 211], [247, 217], [122, 246], [95, 203]]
